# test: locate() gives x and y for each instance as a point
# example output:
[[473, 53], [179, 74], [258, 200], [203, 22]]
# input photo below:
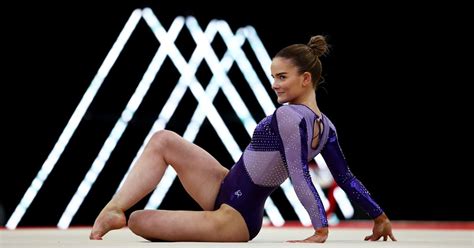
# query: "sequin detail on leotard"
[[281, 148]]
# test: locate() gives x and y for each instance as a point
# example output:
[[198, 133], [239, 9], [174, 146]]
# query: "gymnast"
[[233, 200]]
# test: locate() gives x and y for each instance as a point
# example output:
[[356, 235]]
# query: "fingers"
[[309, 240], [392, 237], [377, 237], [372, 237]]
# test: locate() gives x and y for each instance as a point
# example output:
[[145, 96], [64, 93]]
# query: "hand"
[[320, 235], [382, 228]]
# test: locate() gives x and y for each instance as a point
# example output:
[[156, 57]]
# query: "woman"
[[233, 200]]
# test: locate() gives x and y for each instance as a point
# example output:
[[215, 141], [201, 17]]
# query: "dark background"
[[397, 77]]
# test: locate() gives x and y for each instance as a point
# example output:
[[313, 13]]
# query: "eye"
[[281, 77]]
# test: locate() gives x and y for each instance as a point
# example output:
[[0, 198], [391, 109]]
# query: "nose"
[[275, 85]]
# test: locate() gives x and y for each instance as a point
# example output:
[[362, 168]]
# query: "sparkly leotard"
[[281, 147]]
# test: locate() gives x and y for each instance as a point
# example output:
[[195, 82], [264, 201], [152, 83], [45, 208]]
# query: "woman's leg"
[[199, 172], [222, 225]]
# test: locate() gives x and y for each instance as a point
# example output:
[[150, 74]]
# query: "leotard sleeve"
[[344, 178], [294, 138]]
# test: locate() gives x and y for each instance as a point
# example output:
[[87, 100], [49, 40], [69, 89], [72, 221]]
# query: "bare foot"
[[108, 219]]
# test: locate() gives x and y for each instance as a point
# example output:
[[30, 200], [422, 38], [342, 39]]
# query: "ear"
[[307, 79]]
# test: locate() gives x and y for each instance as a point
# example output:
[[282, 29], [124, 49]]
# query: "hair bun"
[[318, 45]]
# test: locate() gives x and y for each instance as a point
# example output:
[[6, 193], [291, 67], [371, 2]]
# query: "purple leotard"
[[281, 148]]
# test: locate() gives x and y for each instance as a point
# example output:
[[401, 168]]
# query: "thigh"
[[199, 172], [222, 225]]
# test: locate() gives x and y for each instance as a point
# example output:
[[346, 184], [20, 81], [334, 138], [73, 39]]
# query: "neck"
[[310, 101]]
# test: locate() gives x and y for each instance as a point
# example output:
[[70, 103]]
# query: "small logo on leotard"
[[238, 193]]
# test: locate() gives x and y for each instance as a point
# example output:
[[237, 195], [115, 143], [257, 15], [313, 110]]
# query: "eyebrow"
[[280, 73]]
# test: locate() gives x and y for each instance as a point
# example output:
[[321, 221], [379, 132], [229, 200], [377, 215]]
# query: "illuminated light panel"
[[219, 77], [74, 121], [344, 203], [117, 131]]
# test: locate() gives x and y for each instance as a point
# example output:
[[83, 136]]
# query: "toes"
[[93, 236]]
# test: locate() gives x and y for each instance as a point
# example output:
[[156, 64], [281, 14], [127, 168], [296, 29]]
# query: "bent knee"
[[162, 138], [137, 222], [230, 225]]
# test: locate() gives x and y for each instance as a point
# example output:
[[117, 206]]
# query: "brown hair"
[[306, 57]]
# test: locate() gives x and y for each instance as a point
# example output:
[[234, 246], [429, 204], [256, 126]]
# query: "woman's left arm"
[[382, 228]]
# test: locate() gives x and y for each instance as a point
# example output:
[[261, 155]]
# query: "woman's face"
[[288, 83]]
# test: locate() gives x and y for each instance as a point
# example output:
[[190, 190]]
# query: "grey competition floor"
[[268, 237]]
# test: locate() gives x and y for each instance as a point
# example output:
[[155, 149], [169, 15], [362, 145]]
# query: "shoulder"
[[328, 122], [289, 110], [288, 113]]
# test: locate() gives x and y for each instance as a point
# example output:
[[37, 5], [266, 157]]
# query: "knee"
[[136, 223], [229, 224], [161, 139]]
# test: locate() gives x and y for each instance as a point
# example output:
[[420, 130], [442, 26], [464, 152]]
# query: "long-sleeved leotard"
[[281, 147]]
